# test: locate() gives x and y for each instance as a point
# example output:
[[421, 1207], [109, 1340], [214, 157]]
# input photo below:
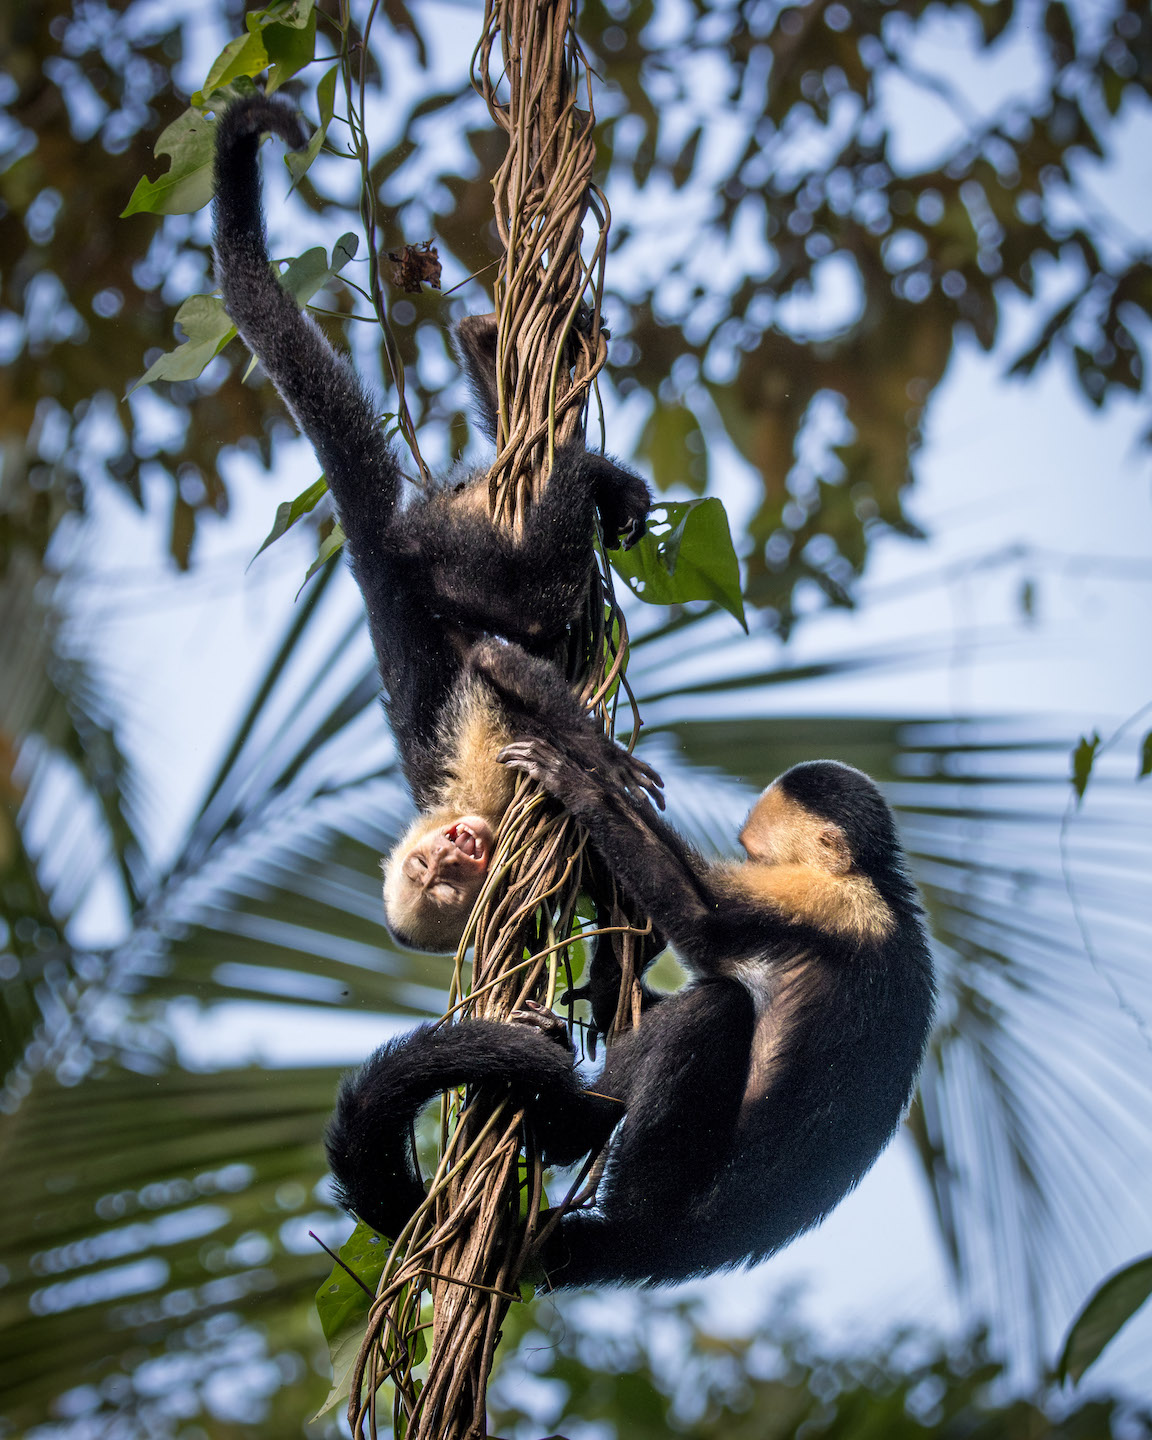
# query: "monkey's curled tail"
[[318, 386], [369, 1138]]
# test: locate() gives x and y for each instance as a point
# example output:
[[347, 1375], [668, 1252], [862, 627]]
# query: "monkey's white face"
[[448, 865], [433, 877], [780, 831]]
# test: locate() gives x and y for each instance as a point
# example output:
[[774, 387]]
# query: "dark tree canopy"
[[768, 125]]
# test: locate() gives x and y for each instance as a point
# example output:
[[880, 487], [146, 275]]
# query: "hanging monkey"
[[436, 575]]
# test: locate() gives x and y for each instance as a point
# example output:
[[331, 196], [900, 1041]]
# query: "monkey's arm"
[[712, 913], [603, 787]]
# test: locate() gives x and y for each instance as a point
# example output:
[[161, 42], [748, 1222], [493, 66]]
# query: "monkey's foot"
[[539, 1017]]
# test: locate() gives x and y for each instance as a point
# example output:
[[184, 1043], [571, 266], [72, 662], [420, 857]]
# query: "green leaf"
[[290, 511], [281, 38], [342, 1303], [341, 1300], [206, 324], [673, 445], [299, 161], [1083, 758], [686, 555], [245, 55], [343, 1350], [296, 14], [1145, 756], [329, 546], [311, 271], [1105, 1314], [290, 48], [190, 141]]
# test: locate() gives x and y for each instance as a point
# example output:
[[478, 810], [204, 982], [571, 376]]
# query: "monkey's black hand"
[[622, 498], [629, 773], [640, 778], [562, 776], [623, 501], [635, 532], [540, 762], [539, 1017]]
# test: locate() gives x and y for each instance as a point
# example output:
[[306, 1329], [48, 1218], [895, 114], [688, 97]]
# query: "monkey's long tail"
[[318, 386], [369, 1138]]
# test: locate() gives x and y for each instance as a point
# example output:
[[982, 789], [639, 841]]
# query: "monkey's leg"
[[568, 1122], [684, 1073], [526, 588], [475, 341], [621, 497]]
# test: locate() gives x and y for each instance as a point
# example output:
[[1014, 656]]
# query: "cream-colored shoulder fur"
[[849, 905]]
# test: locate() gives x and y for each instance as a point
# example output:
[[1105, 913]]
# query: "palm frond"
[[147, 1214], [69, 823]]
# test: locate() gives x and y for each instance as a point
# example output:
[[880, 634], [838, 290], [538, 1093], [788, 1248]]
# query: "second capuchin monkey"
[[435, 576], [743, 1107]]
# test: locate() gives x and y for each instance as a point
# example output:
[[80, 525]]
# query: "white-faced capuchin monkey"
[[744, 1106], [436, 575]]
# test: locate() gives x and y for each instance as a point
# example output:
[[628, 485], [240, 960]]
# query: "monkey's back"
[[841, 1078]]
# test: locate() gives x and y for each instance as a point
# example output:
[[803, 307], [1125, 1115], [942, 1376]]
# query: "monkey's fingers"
[[639, 775], [539, 1017], [535, 758], [519, 756]]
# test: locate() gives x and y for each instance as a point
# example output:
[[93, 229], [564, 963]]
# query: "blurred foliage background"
[[157, 1272]]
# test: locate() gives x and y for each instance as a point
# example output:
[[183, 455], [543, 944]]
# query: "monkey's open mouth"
[[470, 840], [463, 839]]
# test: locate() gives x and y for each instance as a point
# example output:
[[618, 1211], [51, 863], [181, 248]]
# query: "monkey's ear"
[[835, 852], [475, 338]]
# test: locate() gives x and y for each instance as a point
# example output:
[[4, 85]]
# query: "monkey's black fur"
[[435, 575], [756, 1097]]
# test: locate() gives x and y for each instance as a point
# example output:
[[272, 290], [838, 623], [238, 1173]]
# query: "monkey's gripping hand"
[[534, 1016], [608, 791], [622, 498], [562, 776]]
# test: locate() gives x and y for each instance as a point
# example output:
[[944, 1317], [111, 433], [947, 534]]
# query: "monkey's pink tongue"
[[465, 841]]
